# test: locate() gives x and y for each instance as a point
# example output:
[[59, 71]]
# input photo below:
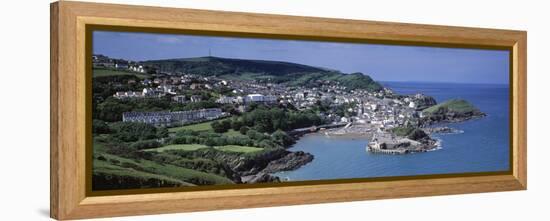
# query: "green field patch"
[[98, 146], [154, 168], [108, 169], [186, 147], [100, 72], [193, 147], [232, 133], [454, 105], [238, 149], [205, 126]]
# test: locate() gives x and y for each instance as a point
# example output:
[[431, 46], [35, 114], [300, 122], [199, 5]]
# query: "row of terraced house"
[[173, 118]]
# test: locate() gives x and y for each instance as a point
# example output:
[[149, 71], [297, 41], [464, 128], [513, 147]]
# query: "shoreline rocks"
[[260, 178], [258, 169], [423, 101], [291, 161], [441, 130]]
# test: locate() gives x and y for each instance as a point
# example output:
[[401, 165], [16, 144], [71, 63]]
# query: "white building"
[[170, 89], [121, 65], [254, 98], [136, 68], [128, 94], [152, 92], [344, 119], [196, 98], [172, 118], [300, 96], [258, 98], [270, 99], [374, 107], [179, 99], [226, 100]]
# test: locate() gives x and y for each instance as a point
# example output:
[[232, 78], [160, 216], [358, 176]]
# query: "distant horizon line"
[[442, 82], [389, 81], [205, 56]]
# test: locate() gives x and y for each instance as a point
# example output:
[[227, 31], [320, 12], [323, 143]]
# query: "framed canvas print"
[[160, 110]]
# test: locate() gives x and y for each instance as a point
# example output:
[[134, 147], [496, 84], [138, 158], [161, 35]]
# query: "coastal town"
[[168, 99], [380, 109]]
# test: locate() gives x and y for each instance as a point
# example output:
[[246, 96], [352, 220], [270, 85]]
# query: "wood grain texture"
[[520, 102], [68, 111], [54, 126]]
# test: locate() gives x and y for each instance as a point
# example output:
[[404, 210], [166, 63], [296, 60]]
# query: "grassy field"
[[456, 105], [232, 133], [239, 149], [402, 131], [108, 72], [203, 127], [191, 147], [194, 127], [144, 168], [107, 168], [187, 147]]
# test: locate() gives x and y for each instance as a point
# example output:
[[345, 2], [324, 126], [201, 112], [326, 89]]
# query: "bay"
[[483, 147]]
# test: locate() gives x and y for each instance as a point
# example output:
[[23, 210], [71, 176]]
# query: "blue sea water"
[[483, 147]]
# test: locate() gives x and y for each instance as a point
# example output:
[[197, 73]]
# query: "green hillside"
[[273, 71], [103, 72], [112, 165], [454, 105], [107, 175]]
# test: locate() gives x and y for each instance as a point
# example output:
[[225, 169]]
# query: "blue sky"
[[381, 62]]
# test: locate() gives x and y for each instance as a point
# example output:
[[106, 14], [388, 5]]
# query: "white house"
[[128, 94], [121, 65], [179, 99], [254, 98], [136, 68], [225, 100], [167, 88], [344, 119], [195, 98]]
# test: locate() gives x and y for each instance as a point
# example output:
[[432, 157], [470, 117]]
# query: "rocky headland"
[[416, 138], [452, 111]]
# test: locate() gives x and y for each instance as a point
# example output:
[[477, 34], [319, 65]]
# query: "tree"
[[210, 142], [236, 124], [270, 120], [282, 138], [226, 124], [145, 144], [133, 131], [162, 132], [218, 127], [100, 127], [255, 135], [111, 109], [267, 144], [243, 130]]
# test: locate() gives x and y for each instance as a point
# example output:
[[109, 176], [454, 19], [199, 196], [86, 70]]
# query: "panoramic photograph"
[[174, 110]]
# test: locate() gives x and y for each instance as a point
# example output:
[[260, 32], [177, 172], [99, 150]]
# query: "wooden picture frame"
[[69, 125]]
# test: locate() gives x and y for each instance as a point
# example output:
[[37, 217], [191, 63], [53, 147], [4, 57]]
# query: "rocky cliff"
[[455, 110]]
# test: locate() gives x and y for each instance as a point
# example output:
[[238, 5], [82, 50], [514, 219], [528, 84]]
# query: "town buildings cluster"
[[379, 109], [119, 64]]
